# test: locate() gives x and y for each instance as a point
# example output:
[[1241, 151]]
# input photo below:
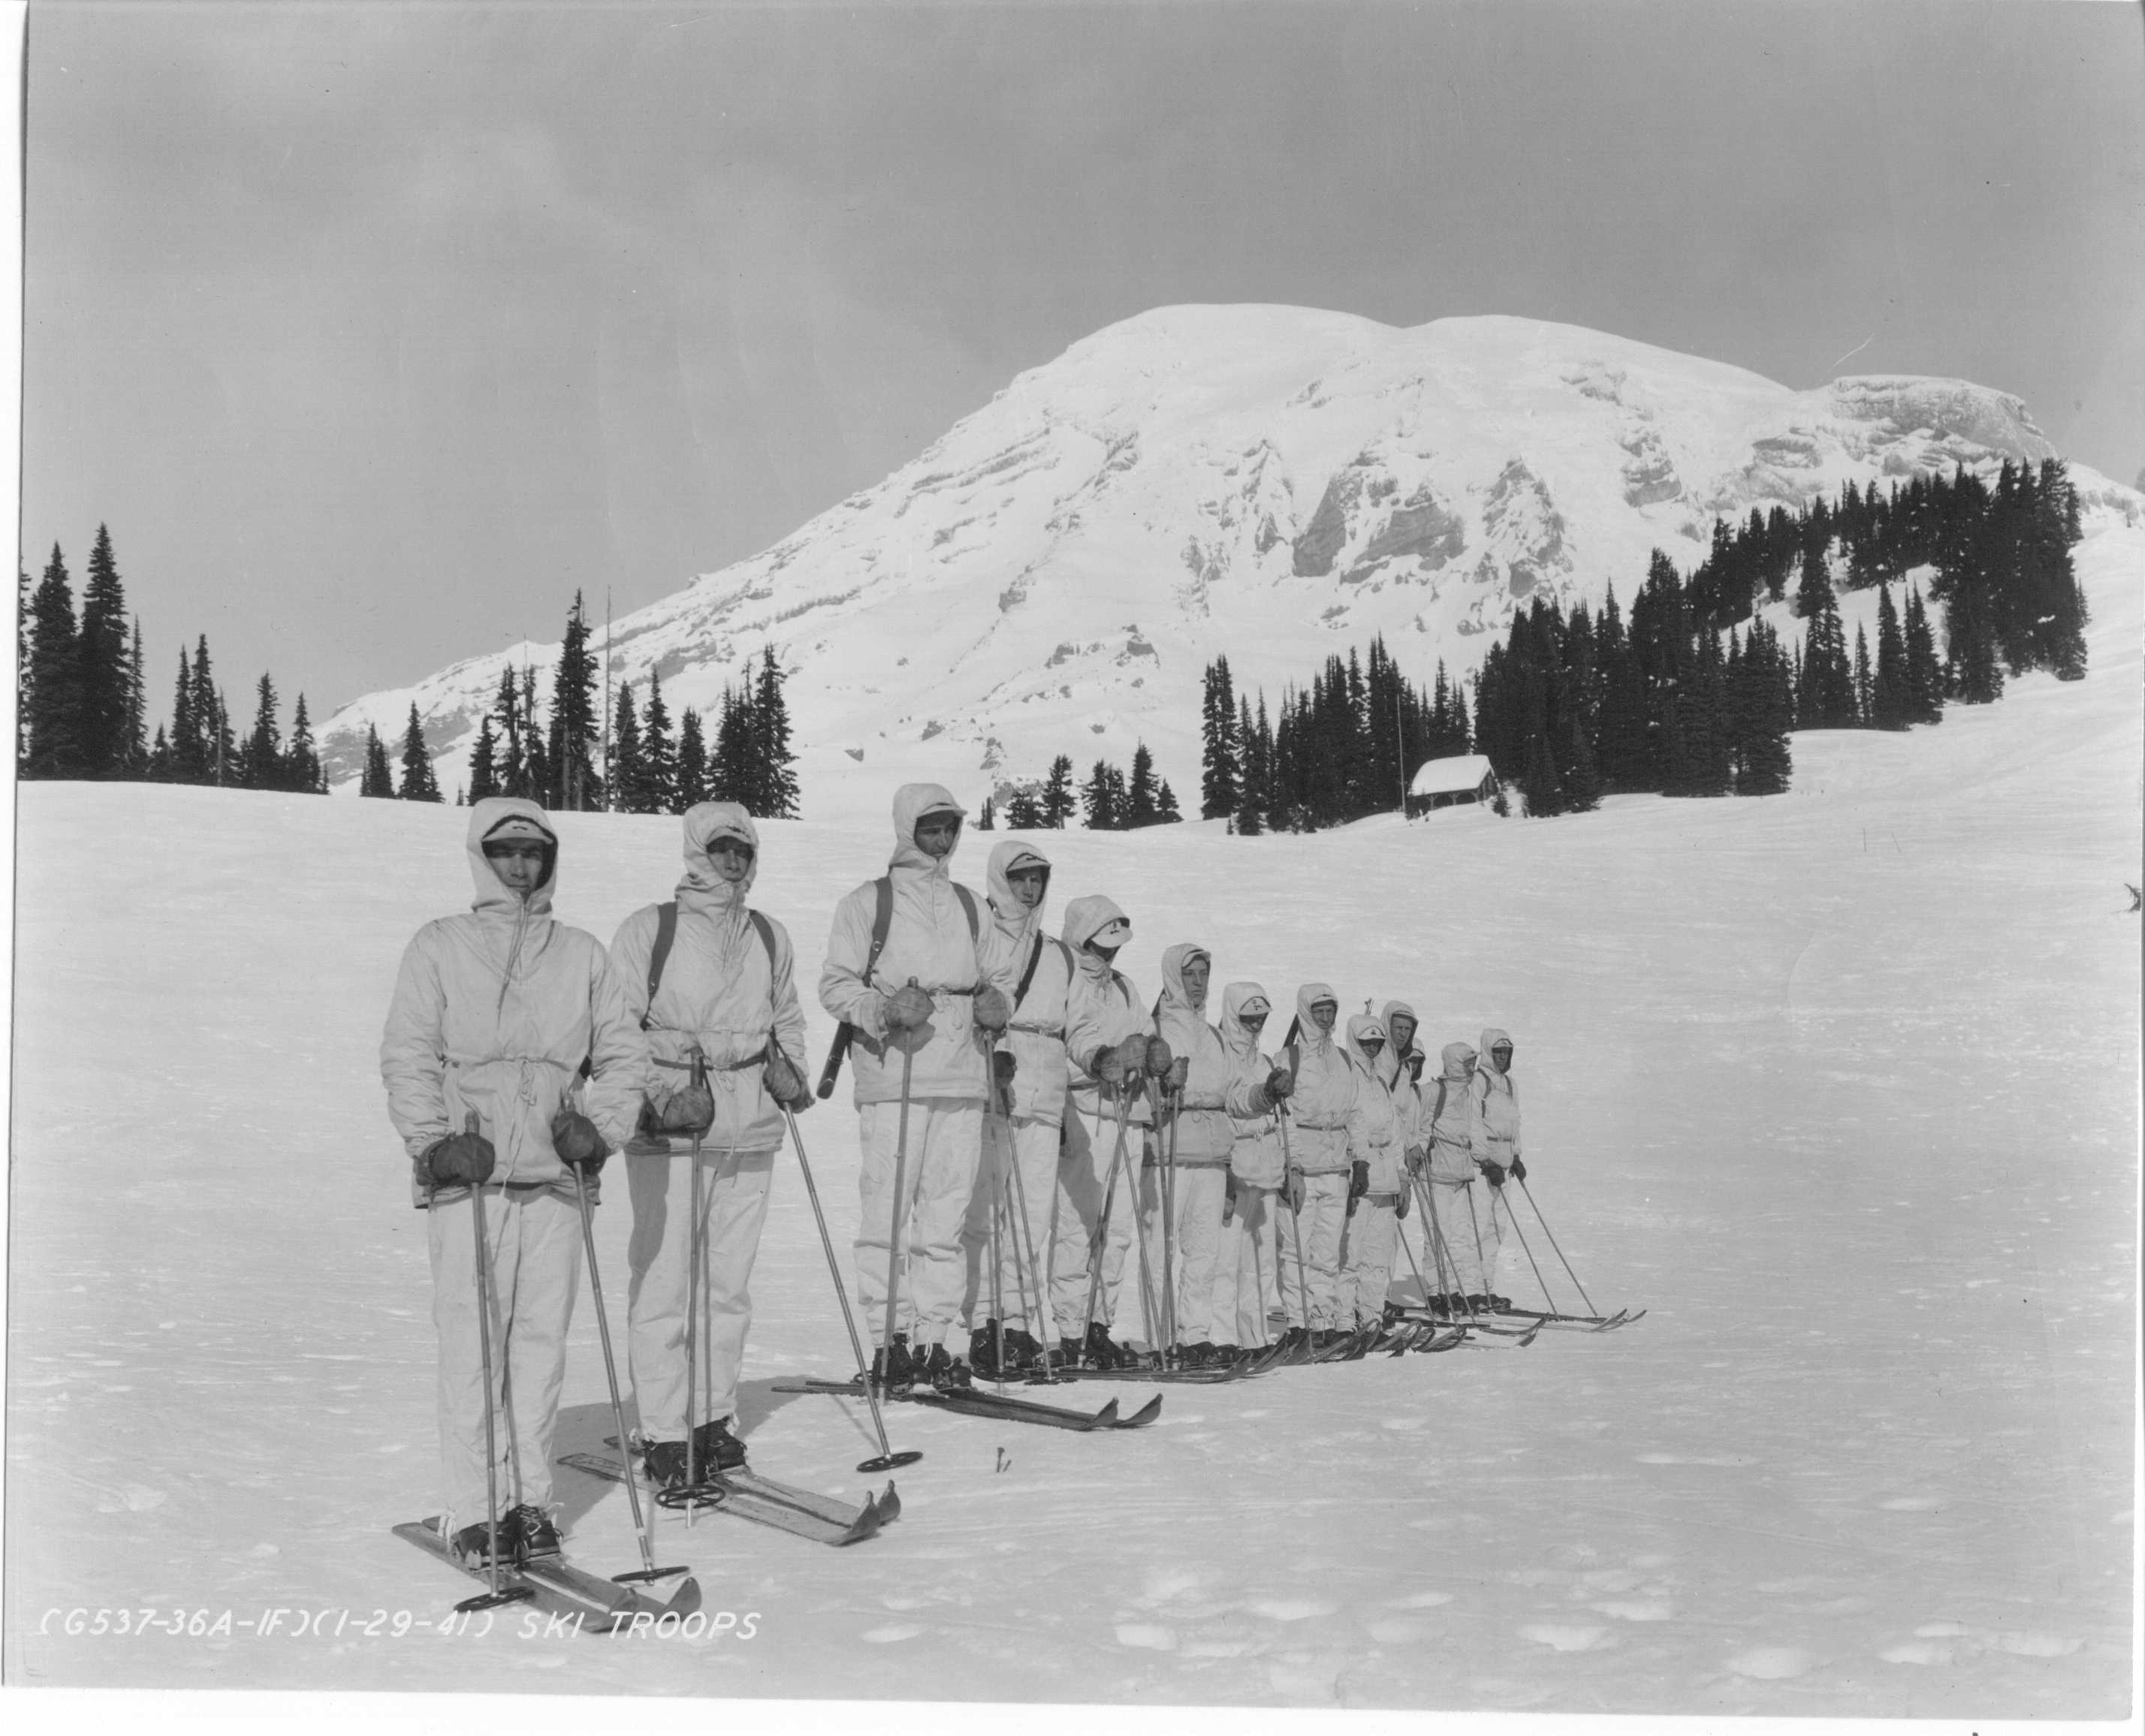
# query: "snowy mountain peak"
[[1053, 574]]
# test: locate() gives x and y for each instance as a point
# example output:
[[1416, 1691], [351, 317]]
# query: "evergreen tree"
[[216, 755], [1166, 813], [510, 758], [733, 767], [1103, 797], [483, 766], [105, 660], [659, 756], [378, 779], [1140, 793], [261, 761], [418, 783], [49, 740], [1826, 698], [1023, 812], [184, 761], [1865, 697], [1220, 769], [302, 764], [1924, 698], [986, 821], [777, 778], [575, 724], [1057, 799], [1889, 690], [691, 784], [627, 779], [1765, 761]]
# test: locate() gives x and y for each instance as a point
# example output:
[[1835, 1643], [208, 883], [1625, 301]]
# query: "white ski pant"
[[938, 1182], [1319, 1226], [534, 1241], [1083, 1178], [1471, 1233], [1199, 1189], [1243, 1263], [733, 1187], [1036, 1146], [1366, 1262]]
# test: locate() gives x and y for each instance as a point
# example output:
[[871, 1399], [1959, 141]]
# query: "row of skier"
[[1007, 1083]]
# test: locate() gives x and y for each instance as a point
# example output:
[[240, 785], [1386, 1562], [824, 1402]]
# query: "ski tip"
[[1107, 1417], [683, 1601], [1146, 1414], [890, 1505]]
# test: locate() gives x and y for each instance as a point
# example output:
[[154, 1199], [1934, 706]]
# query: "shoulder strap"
[[882, 924], [1027, 976], [1439, 1110], [968, 907], [766, 938], [1295, 1057], [659, 955]]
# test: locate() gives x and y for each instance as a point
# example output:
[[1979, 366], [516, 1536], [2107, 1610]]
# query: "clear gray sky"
[[373, 331]]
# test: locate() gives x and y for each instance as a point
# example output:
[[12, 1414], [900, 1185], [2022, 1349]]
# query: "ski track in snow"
[[1838, 1085]]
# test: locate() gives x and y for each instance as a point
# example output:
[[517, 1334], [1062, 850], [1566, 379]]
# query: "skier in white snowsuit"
[[1032, 1135], [1205, 1091], [1494, 1138], [1246, 1275], [1458, 1223], [726, 1037], [1321, 1114], [1400, 1064], [1376, 1183], [1105, 1033], [939, 983], [494, 1013]]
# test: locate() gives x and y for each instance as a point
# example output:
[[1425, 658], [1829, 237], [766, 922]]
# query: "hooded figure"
[[1246, 1272], [940, 956], [1463, 1237], [1366, 1260], [1495, 1132], [1199, 1139], [727, 991], [1027, 1130], [1102, 1010], [494, 1012], [1318, 1132]]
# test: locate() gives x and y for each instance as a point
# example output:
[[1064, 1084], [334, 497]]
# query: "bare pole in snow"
[[606, 728]]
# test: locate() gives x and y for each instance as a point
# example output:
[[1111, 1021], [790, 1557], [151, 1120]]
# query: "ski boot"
[[535, 1537], [1068, 1354], [716, 1448], [472, 1544], [1023, 1353], [1224, 1355], [663, 1461], [1478, 1301], [1294, 1340], [1500, 1304], [1100, 1351], [1326, 1337], [896, 1371], [983, 1352], [945, 1373]]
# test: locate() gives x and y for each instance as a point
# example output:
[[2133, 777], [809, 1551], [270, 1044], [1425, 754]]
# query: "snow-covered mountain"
[[1272, 483]]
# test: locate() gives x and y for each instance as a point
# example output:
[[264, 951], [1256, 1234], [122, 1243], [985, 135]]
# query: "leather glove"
[[906, 1008], [689, 1109], [1004, 1067], [1281, 1085], [574, 1138], [1107, 1066], [1228, 1196], [1519, 1167], [1359, 1179], [784, 1083], [1158, 1060], [1493, 1171], [993, 1012], [1131, 1058], [1180, 1070], [1292, 1190], [1401, 1211], [460, 1160], [1417, 1158]]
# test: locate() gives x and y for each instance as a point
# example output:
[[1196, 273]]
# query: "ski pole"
[[887, 1458], [1494, 1194], [1296, 1217], [1150, 1314], [1451, 1258], [1169, 1222], [495, 1596], [1098, 1250], [693, 1275], [1551, 1233], [997, 1300], [893, 1225], [1481, 1256], [1042, 1322], [642, 1527], [1163, 1159]]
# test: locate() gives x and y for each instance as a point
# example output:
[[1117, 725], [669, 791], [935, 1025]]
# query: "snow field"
[[1841, 1085]]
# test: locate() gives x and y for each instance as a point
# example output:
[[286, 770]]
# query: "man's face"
[[1322, 1013], [1502, 1055], [1253, 1020], [1403, 1031], [1415, 1065], [1197, 973], [1028, 885], [731, 857], [519, 863], [935, 834], [1373, 1046]]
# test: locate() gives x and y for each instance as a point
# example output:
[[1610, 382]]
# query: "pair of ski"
[[746, 1494], [586, 1602], [991, 1406]]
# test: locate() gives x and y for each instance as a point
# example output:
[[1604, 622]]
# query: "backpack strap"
[[659, 955], [882, 923], [1439, 1110], [766, 938], [1027, 976], [968, 908]]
